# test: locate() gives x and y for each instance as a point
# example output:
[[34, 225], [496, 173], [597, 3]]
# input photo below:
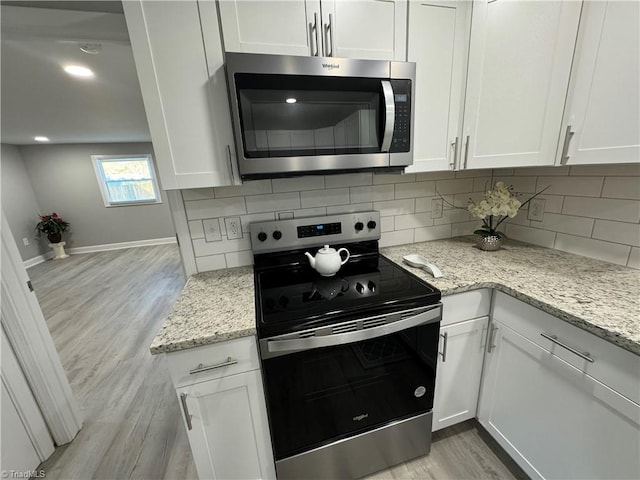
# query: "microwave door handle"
[[389, 115]]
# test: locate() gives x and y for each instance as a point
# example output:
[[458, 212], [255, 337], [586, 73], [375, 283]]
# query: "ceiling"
[[39, 98]]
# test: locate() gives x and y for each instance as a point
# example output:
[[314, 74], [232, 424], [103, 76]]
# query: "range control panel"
[[281, 235]]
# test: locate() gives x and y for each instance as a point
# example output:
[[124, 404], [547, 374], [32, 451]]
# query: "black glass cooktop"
[[295, 297]]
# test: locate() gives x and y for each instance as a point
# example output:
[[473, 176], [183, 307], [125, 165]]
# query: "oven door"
[[325, 388]]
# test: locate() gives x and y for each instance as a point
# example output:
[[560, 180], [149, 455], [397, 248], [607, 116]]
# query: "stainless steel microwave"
[[304, 115]]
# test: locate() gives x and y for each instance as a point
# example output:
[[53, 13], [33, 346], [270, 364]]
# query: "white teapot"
[[327, 261]]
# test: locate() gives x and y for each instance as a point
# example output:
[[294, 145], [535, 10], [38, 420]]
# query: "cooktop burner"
[[292, 296]]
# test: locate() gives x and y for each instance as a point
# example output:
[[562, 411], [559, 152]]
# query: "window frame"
[[97, 160]]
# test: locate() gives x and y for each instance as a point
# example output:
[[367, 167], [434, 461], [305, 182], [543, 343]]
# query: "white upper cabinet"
[[369, 29], [184, 98], [438, 37], [602, 124], [519, 63]]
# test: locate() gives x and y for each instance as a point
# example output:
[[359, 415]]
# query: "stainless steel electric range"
[[349, 360]]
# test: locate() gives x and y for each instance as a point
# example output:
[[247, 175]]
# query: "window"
[[126, 179]]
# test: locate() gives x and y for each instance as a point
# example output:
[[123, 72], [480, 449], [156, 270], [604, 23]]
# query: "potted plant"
[[53, 226]]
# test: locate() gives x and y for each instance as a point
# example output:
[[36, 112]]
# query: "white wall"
[[404, 202], [64, 182], [19, 202]]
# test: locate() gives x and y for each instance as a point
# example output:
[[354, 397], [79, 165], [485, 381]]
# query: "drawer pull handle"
[[445, 339], [203, 368], [554, 339], [185, 409], [492, 339]]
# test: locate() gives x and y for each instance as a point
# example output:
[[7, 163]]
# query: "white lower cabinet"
[[463, 333], [225, 415], [550, 415]]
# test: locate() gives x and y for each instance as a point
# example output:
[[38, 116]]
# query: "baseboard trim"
[[102, 248], [37, 260]]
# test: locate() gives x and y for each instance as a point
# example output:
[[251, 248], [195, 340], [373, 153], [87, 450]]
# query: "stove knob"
[[359, 226], [372, 286], [359, 288], [371, 225], [262, 236], [277, 234]]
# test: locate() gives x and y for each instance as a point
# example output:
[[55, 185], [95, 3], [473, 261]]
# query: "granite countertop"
[[596, 296]]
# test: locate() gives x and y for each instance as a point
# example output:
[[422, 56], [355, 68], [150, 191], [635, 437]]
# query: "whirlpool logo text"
[[331, 66], [360, 417]]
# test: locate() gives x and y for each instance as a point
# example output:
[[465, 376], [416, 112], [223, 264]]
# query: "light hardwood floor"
[[103, 310]]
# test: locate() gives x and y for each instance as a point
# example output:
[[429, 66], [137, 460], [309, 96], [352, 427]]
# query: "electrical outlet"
[[436, 208], [536, 209], [25, 240], [212, 230], [234, 227]]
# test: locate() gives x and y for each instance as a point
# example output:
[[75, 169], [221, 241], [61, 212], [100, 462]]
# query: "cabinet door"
[[230, 435], [459, 371], [604, 107], [437, 41], [369, 29], [183, 106], [555, 421], [278, 27], [519, 62]]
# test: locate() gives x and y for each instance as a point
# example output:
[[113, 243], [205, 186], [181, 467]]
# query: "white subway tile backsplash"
[[197, 194], [348, 180], [397, 237], [387, 224], [239, 259], [552, 203], [222, 207], [520, 184], [330, 196], [634, 258], [544, 238], [371, 193], [482, 184], [543, 171], [576, 186], [310, 212], [607, 251], [581, 226], [297, 184], [196, 230], [413, 220], [247, 220], [252, 187], [487, 172], [453, 215], [464, 228], [631, 169], [211, 262], [621, 187], [618, 232], [429, 176], [415, 189], [458, 185], [395, 207], [273, 202], [352, 207], [432, 233], [202, 248], [380, 178], [604, 208]]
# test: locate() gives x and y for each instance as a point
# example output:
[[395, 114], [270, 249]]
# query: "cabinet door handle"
[[452, 163], [445, 339], [466, 152], [554, 339], [328, 37], [313, 33], [185, 409], [204, 368], [492, 339], [565, 148]]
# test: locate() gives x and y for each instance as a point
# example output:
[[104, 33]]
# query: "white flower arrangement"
[[496, 206]]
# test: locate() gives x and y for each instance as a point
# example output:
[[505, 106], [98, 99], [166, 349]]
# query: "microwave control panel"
[[401, 140]]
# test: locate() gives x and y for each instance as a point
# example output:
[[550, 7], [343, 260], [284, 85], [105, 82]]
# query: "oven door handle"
[[389, 115], [297, 344]]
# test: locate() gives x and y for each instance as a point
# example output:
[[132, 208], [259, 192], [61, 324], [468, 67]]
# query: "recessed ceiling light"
[[291, 100], [78, 71], [41, 139]]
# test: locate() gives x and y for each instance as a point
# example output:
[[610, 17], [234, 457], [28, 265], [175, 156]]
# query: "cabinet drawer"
[[465, 306], [615, 367], [224, 358]]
